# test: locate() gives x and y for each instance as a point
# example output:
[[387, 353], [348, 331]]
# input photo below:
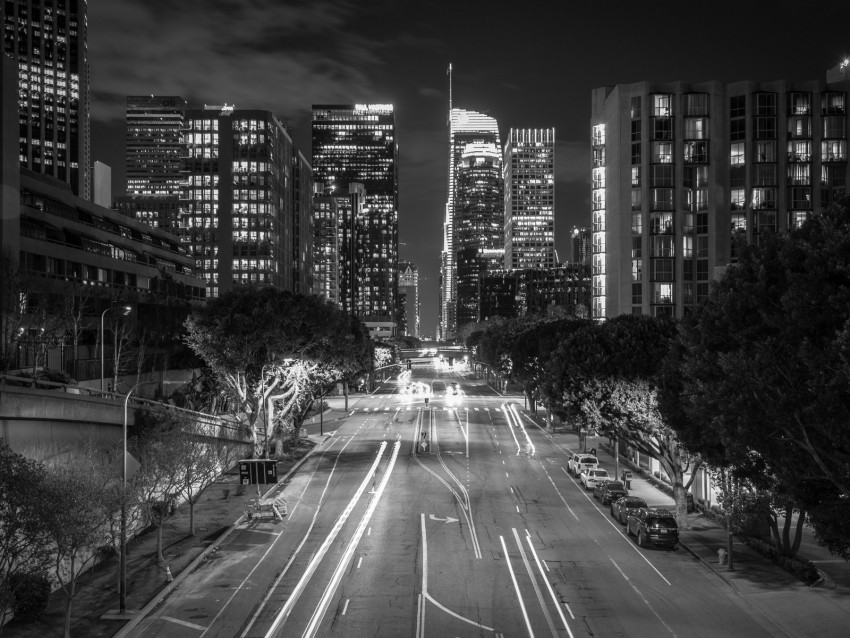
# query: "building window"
[[765, 103], [766, 222], [800, 197], [737, 130], [599, 157], [635, 108], [696, 177], [833, 104], [637, 294], [636, 130], [662, 270], [635, 175], [765, 128], [799, 174], [660, 223], [702, 228], [662, 128], [696, 152], [687, 247], [799, 126], [661, 105], [662, 152], [739, 222], [765, 175], [738, 106], [688, 293], [800, 151], [833, 150], [702, 293], [702, 269], [834, 127], [696, 128], [736, 153], [637, 270], [636, 152], [765, 151], [637, 223], [662, 246], [696, 104], [737, 198], [797, 218], [662, 199], [598, 178], [637, 247], [662, 293], [637, 199], [661, 175], [764, 198], [799, 103], [598, 134]]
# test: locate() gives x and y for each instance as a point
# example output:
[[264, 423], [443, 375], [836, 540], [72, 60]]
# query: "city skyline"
[[316, 49]]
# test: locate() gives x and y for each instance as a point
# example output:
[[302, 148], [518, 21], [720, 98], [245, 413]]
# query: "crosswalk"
[[411, 408]]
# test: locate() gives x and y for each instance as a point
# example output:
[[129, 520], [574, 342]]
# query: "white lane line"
[[184, 623], [646, 602], [430, 598], [516, 587], [548, 585], [345, 607], [511, 428], [359, 562], [534, 584]]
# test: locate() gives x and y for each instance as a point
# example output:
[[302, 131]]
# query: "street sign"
[[257, 471]]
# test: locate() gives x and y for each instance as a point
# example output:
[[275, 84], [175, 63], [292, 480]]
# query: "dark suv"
[[653, 526]]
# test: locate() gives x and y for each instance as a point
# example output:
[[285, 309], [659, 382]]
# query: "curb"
[[191, 567]]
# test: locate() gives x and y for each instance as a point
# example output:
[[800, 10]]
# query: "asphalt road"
[[452, 519]]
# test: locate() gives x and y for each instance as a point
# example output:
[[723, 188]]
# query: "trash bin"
[[690, 501], [626, 478]]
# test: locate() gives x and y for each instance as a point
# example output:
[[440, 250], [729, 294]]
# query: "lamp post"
[[122, 577], [125, 310]]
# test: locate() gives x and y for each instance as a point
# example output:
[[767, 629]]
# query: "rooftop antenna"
[[449, 73]]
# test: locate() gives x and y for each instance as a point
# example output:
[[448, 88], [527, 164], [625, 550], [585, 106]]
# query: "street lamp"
[[122, 580], [125, 310]]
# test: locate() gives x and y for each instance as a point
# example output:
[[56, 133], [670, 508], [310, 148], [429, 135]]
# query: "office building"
[[682, 172], [47, 38], [408, 292], [478, 222], [238, 219], [531, 291], [355, 157], [302, 225], [154, 155], [465, 128], [580, 245], [326, 248], [529, 172]]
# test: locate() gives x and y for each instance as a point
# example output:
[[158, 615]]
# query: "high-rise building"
[[529, 170], [154, 154], [478, 224], [580, 245], [465, 128], [48, 40], [408, 291], [355, 156], [239, 219], [326, 251], [302, 225], [513, 293], [682, 172]]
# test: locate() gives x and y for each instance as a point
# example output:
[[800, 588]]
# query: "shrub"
[[30, 594]]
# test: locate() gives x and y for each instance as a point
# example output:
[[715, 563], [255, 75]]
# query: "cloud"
[[263, 54]]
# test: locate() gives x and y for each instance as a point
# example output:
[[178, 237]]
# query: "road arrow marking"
[[447, 519]]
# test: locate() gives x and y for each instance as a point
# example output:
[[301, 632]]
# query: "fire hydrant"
[[721, 556]]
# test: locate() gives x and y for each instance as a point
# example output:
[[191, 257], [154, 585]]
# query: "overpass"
[[42, 419]]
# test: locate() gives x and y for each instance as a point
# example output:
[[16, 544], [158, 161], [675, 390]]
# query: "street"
[[455, 519]]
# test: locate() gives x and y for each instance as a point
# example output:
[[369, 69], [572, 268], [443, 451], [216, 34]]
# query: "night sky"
[[529, 65]]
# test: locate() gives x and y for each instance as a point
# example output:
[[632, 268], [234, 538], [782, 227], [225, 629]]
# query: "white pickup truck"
[[580, 462]]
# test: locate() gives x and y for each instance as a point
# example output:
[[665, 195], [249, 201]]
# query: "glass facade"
[[48, 39]]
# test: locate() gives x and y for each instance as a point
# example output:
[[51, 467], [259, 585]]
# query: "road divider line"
[[516, 587], [642, 597], [548, 584], [534, 584]]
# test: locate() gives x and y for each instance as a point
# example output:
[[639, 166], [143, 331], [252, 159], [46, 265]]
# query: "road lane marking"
[[646, 602], [345, 607], [330, 590], [516, 587], [281, 616], [548, 584], [359, 562], [534, 584], [184, 623]]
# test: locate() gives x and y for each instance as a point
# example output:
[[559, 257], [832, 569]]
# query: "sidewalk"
[[786, 604]]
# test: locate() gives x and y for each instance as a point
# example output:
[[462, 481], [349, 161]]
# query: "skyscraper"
[[408, 290], [355, 144], [239, 216], [465, 128], [682, 172], [529, 169], [580, 244], [478, 223], [48, 40], [155, 150], [326, 252]]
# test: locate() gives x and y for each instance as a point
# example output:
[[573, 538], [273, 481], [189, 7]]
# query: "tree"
[[259, 342], [609, 376], [79, 506], [765, 365], [24, 545]]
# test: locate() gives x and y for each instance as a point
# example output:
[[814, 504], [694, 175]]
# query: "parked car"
[[590, 478], [621, 507], [610, 491], [653, 526], [580, 462]]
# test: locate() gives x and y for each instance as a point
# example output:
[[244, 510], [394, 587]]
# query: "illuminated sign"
[[373, 107]]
